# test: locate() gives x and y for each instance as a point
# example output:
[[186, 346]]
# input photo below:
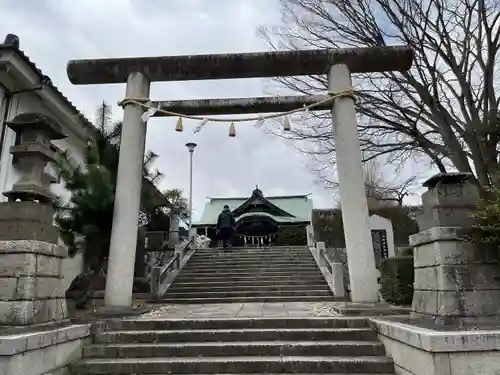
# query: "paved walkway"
[[242, 310]]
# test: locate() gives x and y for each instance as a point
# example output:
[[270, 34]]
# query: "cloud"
[[54, 31]]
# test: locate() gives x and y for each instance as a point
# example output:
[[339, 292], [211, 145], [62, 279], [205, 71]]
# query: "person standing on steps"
[[226, 226]]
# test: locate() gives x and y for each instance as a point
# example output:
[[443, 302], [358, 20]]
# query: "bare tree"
[[444, 110], [382, 191]]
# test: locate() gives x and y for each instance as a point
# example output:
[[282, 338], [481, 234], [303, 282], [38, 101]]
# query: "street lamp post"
[[191, 146]]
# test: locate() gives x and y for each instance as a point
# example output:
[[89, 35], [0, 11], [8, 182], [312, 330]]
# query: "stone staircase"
[[315, 345], [278, 274]]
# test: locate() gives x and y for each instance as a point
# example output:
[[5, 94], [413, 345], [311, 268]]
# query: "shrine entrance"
[[138, 73]]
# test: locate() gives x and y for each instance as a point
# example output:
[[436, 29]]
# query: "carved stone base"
[[27, 221]]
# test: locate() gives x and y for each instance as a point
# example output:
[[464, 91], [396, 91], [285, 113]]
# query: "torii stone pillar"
[[121, 261], [230, 66], [355, 216]]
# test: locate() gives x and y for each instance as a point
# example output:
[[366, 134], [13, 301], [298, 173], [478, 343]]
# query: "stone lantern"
[[30, 257], [32, 155], [28, 215], [173, 238]]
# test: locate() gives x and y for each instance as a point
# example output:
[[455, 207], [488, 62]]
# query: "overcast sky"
[[54, 31]]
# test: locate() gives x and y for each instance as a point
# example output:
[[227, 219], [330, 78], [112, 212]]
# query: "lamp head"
[[191, 146]]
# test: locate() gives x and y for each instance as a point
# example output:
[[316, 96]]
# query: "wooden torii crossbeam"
[[139, 72]]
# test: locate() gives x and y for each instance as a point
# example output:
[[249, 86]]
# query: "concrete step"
[[226, 349], [258, 249], [254, 269], [232, 335], [232, 323], [234, 263], [261, 253], [259, 283], [221, 261], [274, 299], [256, 260], [236, 253], [250, 251], [248, 293], [252, 255], [225, 287], [231, 278], [257, 273], [224, 365], [221, 276]]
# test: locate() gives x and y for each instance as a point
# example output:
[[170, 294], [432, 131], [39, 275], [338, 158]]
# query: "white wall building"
[[24, 88]]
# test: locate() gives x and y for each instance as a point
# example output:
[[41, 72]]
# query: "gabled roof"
[[300, 206], [47, 82], [258, 198], [12, 44]]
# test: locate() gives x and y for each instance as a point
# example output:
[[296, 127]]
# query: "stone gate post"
[[355, 217], [30, 258], [121, 259], [456, 281]]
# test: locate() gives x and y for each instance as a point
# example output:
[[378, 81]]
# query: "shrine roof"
[[300, 206]]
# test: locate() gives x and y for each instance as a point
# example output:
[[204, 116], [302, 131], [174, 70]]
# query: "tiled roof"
[[48, 83], [300, 206]]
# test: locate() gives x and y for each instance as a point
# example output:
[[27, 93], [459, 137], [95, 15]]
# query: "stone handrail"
[[332, 271], [324, 259], [161, 274]]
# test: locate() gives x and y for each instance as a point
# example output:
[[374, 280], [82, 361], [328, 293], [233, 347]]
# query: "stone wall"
[[422, 351], [46, 352], [30, 283]]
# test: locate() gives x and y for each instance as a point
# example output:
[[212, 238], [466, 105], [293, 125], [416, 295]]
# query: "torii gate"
[[138, 73]]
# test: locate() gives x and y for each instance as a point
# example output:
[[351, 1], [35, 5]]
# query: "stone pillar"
[[310, 235], [360, 257], [456, 282], [119, 280], [320, 247], [173, 238], [338, 287], [31, 290], [194, 236]]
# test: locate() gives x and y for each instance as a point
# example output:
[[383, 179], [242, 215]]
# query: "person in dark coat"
[[226, 226]]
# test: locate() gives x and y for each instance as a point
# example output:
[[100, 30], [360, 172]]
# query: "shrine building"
[[259, 219]]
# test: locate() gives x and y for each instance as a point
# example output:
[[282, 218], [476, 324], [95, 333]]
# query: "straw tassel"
[[179, 127], [232, 130]]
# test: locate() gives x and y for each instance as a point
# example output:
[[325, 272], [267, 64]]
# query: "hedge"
[[396, 280]]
